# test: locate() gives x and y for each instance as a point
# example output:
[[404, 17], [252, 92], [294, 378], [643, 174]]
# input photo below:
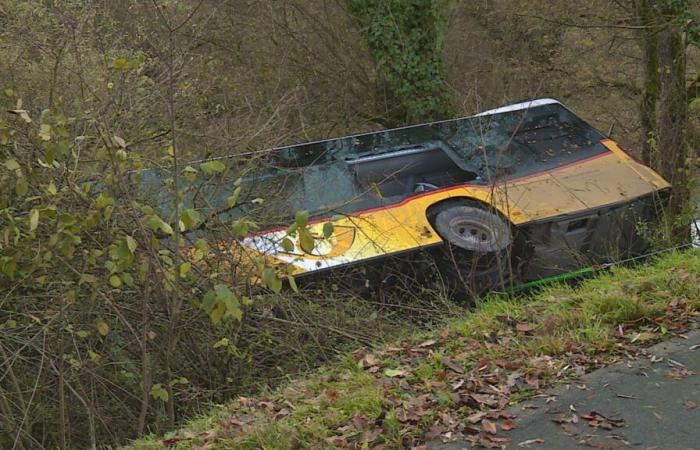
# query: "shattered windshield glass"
[[378, 169]]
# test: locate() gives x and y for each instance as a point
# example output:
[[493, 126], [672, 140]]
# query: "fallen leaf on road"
[[562, 419], [570, 429], [679, 373], [532, 381], [513, 378], [631, 397], [485, 399], [508, 425], [607, 444], [494, 442], [489, 427], [476, 417], [690, 404], [597, 420], [529, 442]]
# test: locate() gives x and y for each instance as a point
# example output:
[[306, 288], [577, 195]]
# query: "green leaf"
[[45, 132], [119, 141], [293, 283], [301, 218], [179, 380], [121, 64], [119, 251], [223, 342], [185, 268], [190, 173], [328, 230], [165, 227], [233, 199], [269, 276], [111, 266], [131, 244], [158, 392], [306, 240], [21, 187], [240, 227], [88, 278], [191, 218], [287, 245], [211, 167], [12, 164], [217, 313], [128, 279], [33, 219], [103, 200], [102, 328], [222, 292], [153, 222], [209, 301], [229, 300], [394, 373], [694, 105], [115, 281]]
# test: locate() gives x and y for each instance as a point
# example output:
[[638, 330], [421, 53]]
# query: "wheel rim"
[[473, 234]]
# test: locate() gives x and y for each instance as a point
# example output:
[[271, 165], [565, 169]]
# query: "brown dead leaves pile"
[[464, 398]]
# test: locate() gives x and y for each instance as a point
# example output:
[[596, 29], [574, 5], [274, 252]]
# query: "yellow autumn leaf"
[[33, 219], [102, 328]]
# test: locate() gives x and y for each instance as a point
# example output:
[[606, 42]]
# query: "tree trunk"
[[651, 80], [673, 115]]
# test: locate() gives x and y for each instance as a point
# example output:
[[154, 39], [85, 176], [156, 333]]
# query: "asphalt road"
[[651, 401]]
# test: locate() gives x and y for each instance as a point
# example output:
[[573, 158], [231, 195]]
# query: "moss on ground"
[[459, 376]]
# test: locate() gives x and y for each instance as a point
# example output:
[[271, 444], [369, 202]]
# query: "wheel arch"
[[433, 209]]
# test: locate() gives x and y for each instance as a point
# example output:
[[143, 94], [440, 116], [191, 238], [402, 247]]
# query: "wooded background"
[[107, 333]]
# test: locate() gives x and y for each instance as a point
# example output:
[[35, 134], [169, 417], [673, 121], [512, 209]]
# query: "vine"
[[405, 38]]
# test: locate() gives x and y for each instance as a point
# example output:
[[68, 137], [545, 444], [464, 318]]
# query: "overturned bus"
[[510, 195]]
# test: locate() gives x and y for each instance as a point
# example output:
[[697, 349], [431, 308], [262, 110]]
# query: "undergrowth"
[[459, 377]]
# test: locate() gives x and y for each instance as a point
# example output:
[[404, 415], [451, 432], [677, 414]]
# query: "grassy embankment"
[[458, 378]]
